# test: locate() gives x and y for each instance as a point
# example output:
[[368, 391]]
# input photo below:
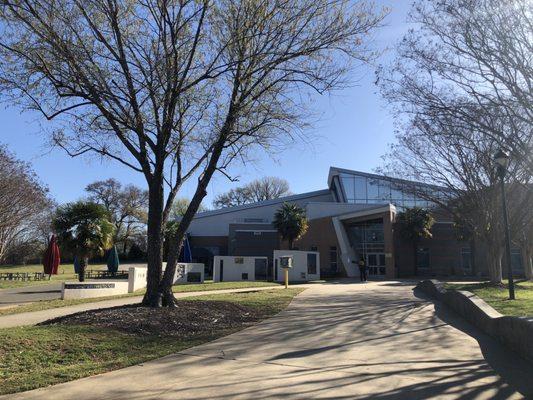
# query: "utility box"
[[304, 265], [237, 268], [189, 273]]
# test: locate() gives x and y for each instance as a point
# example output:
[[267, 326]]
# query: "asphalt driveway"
[[338, 341], [29, 294]]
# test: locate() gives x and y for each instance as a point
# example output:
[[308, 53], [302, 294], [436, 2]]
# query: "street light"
[[502, 162]]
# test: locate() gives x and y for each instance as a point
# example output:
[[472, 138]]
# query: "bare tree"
[[127, 206], [468, 62], [266, 188], [180, 206], [462, 163], [24, 203], [460, 87], [177, 90]]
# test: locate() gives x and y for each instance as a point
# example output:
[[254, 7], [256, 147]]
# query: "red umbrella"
[[51, 257]]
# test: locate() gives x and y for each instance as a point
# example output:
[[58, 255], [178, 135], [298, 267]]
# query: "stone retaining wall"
[[514, 332], [90, 289]]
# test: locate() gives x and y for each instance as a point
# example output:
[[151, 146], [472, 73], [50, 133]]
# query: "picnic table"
[[24, 276]]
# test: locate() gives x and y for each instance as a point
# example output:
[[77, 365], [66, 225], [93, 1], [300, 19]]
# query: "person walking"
[[362, 269]]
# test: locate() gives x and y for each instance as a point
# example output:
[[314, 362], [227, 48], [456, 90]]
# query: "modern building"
[[352, 218]]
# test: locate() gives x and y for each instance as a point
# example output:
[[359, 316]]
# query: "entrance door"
[[260, 269], [375, 263]]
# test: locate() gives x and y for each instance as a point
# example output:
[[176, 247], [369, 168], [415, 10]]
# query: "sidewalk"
[[337, 341], [35, 317]]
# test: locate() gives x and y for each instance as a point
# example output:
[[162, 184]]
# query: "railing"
[[41, 276], [24, 276], [95, 274]]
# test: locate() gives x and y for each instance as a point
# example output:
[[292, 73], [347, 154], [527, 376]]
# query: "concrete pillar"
[[348, 258], [388, 225]]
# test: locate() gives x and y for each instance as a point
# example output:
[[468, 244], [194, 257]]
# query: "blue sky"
[[353, 132]]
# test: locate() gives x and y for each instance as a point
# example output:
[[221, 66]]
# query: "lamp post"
[[502, 162]]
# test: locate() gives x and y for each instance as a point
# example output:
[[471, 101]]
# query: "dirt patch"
[[190, 318]]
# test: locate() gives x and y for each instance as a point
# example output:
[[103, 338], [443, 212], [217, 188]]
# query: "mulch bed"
[[190, 318]]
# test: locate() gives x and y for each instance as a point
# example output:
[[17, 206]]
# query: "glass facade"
[[366, 237], [368, 242], [361, 189]]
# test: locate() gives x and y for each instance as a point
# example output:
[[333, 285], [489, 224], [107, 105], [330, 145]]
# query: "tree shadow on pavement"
[[515, 370], [352, 342]]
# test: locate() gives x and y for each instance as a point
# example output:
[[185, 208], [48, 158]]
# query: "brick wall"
[[320, 236]]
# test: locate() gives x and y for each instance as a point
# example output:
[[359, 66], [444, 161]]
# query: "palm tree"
[[414, 224], [291, 222], [85, 229]]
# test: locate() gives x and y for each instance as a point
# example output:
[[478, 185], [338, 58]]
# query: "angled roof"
[[279, 200], [367, 211], [316, 210], [333, 171]]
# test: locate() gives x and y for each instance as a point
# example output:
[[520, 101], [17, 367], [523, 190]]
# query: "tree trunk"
[[175, 245], [527, 262], [83, 265], [165, 294], [152, 297], [291, 244], [494, 263]]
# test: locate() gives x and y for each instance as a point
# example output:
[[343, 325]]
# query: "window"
[[372, 189], [384, 190], [466, 260], [376, 190], [360, 188], [422, 259], [333, 258], [245, 276], [409, 203], [396, 194], [249, 220], [195, 277], [311, 263], [239, 260], [260, 269], [422, 203], [516, 261], [348, 186]]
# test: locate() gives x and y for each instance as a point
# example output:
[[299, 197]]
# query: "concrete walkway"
[[337, 341], [35, 317]]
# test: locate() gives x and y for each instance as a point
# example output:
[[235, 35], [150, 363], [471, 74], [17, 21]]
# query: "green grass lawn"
[[65, 273], [37, 356], [193, 287], [498, 296], [210, 285]]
